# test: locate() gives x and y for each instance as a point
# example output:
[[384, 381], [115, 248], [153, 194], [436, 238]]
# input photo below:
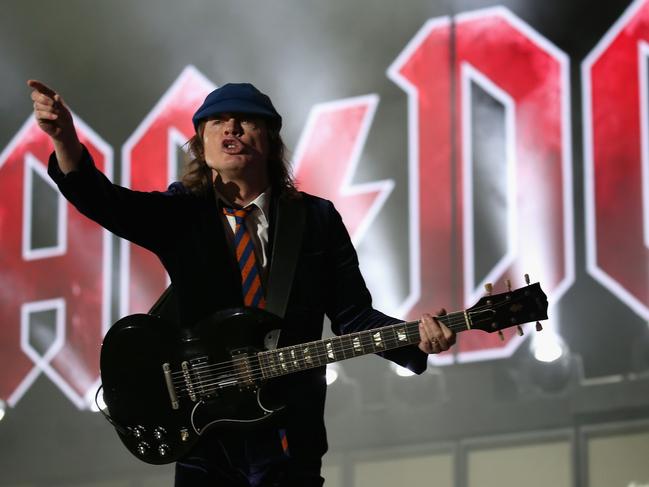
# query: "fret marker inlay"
[[330, 351], [402, 335], [294, 357], [307, 355], [280, 356]]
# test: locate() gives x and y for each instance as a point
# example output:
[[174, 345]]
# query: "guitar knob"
[[142, 448], [159, 433], [138, 432], [163, 450]]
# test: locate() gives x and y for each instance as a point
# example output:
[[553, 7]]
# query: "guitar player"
[[224, 234]]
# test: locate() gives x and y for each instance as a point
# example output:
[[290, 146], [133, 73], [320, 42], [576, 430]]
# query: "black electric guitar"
[[163, 388]]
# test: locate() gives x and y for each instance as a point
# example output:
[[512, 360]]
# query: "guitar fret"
[[330, 354], [339, 348], [345, 347], [388, 338], [273, 363], [413, 333], [368, 345], [322, 352], [307, 353], [352, 346], [317, 355]]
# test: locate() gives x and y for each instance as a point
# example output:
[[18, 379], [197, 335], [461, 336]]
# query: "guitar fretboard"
[[286, 360]]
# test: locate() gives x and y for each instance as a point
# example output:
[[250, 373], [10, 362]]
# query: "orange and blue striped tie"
[[253, 293]]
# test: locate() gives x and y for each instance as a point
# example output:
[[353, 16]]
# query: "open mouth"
[[232, 146]]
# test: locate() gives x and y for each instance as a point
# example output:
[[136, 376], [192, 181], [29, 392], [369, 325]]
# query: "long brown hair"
[[197, 176]]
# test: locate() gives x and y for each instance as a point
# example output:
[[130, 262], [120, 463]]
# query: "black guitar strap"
[[287, 240], [166, 306]]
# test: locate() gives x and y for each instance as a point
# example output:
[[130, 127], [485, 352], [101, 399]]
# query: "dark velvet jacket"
[[184, 231]]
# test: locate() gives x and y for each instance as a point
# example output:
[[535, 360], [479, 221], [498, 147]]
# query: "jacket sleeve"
[[141, 217], [349, 303]]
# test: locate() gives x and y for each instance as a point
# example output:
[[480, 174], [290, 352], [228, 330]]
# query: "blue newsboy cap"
[[237, 98]]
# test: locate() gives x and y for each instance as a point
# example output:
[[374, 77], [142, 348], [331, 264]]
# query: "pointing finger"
[[41, 88]]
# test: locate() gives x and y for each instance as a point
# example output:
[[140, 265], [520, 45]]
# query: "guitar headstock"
[[496, 312]]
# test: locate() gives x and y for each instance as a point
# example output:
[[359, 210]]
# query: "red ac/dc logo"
[[70, 276]]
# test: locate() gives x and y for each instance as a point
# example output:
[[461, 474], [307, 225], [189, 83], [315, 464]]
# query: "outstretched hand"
[[52, 115], [55, 120], [435, 336]]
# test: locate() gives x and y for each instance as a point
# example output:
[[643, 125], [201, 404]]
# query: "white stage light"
[[548, 347], [332, 373], [401, 371]]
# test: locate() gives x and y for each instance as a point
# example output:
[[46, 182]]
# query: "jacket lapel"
[[287, 232]]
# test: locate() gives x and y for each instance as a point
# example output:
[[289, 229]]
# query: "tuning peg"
[[527, 279], [508, 283], [520, 330], [501, 335], [539, 327], [489, 288]]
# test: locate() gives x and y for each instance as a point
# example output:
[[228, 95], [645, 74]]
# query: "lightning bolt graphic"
[[327, 155]]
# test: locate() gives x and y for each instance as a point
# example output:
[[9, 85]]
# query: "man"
[[238, 166]]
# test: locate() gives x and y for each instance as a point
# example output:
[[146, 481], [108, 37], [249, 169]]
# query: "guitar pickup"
[[241, 362]]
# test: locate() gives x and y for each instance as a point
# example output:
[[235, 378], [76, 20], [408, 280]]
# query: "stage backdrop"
[[463, 142]]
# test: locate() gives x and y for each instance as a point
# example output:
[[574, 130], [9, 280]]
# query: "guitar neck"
[[295, 358]]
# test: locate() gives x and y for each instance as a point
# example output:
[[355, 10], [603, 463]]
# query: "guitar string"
[[211, 372], [255, 372], [455, 322], [206, 387]]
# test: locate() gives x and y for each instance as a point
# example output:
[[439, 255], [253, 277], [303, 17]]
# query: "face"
[[236, 146]]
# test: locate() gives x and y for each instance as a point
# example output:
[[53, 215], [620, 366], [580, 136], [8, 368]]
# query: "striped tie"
[[253, 294]]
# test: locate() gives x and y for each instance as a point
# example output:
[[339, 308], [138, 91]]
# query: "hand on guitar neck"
[[436, 337]]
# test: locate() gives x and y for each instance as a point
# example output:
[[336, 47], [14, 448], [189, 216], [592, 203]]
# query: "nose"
[[232, 127]]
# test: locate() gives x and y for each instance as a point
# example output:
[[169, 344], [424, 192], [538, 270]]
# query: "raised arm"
[[55, 120]]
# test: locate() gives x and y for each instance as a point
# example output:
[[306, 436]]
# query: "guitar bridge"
[[166, 370]]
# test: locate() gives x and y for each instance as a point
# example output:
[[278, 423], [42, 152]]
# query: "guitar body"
[[161, 391], [165, 386]]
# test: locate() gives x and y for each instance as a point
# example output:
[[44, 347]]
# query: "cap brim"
[[235, 106]]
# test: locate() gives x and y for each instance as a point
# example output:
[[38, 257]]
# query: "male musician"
[[239, 166]]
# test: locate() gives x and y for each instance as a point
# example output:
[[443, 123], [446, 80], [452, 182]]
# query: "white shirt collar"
[[262, 202]]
